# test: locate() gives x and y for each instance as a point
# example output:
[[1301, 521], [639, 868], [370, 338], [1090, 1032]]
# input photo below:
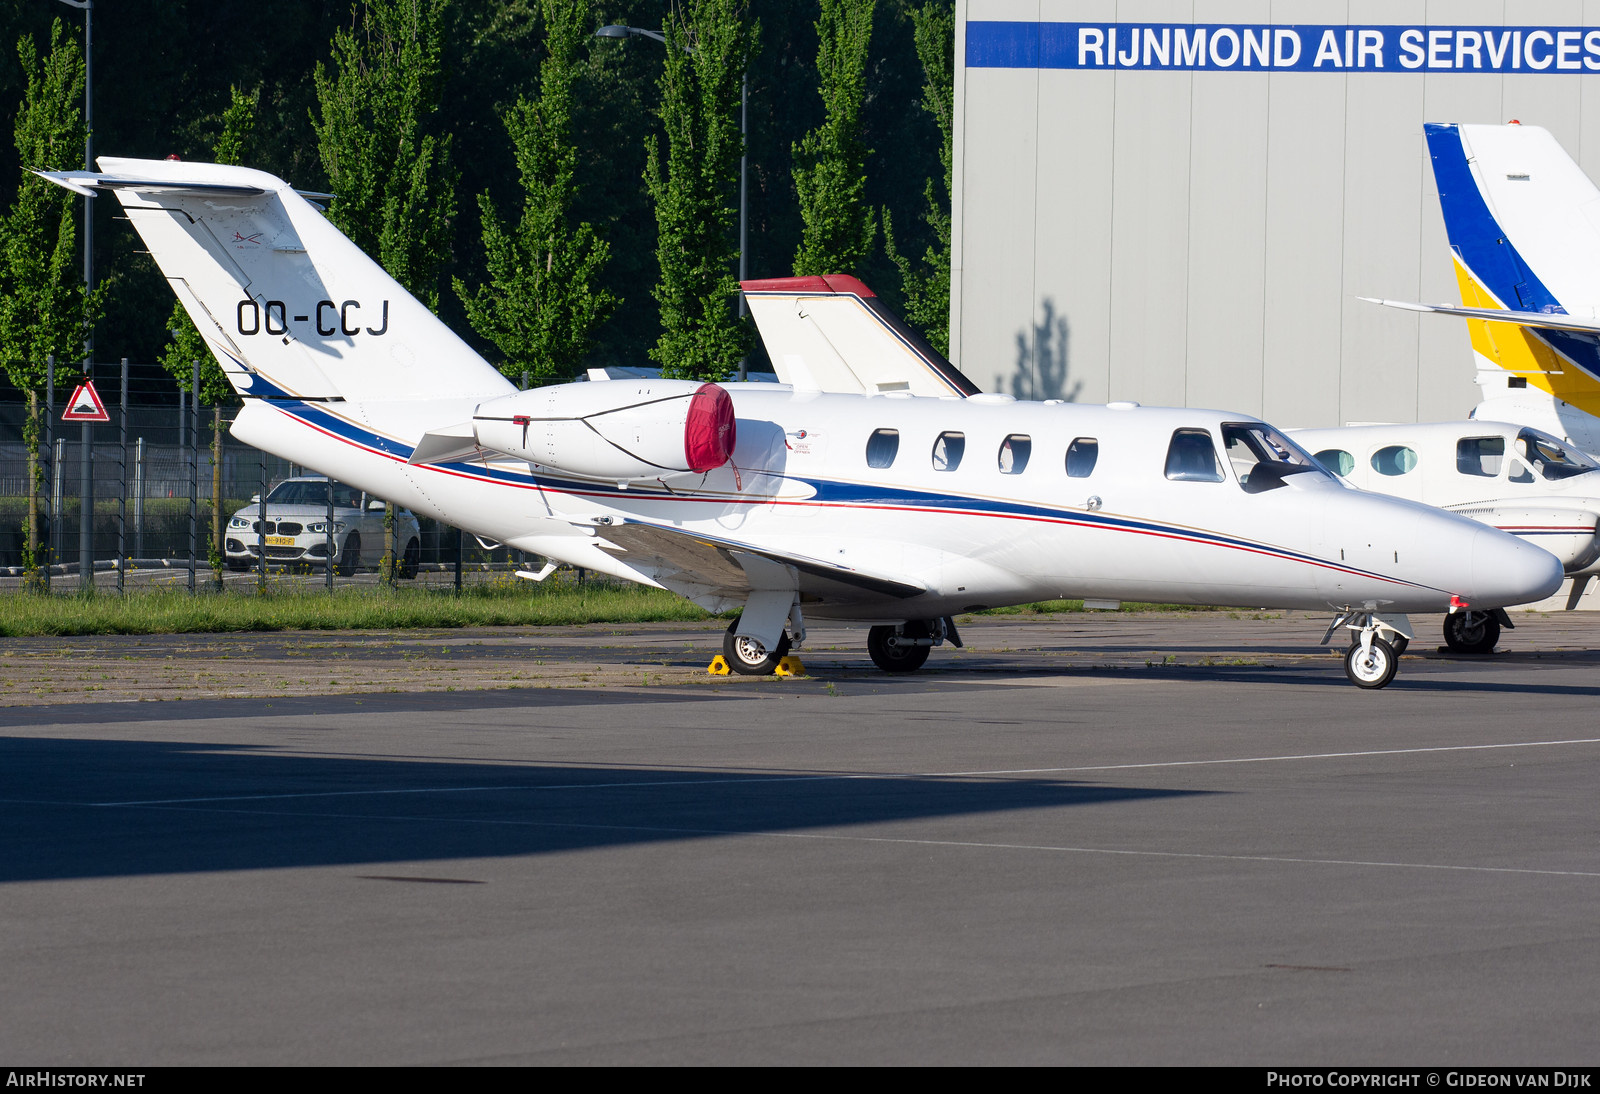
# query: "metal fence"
[[152, 477]]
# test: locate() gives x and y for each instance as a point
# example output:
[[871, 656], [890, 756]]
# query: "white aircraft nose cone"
[[1507, 570]]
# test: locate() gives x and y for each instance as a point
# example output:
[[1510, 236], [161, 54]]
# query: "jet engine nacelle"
[[1569, 534], [613, 429]]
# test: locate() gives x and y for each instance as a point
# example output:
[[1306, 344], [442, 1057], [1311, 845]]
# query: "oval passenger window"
[[1396, 459], [1014, 453], [1081, 456], [882, 447], [1336, 460], [947, 451]]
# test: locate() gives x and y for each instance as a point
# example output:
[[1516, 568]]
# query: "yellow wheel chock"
[[718, 666], [790, 666]]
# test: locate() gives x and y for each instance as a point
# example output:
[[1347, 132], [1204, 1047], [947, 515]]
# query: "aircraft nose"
[[1507, 570]]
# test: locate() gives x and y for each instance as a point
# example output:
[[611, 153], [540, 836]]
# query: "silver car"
[[296, 531]]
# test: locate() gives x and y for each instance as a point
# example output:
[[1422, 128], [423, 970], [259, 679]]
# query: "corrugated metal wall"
[[1200, 237]]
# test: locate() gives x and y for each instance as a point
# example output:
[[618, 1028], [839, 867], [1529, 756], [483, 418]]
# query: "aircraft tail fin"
[[833, 334], [1523, 222], [290, 307]]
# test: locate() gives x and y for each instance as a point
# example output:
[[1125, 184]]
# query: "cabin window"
[[947, 451], [1191, 457], [1550, 457], [1519, 473], [882, 447], [1337, 460], [1481, 456], [1395, 459], [1262, 457], [1014, 453], [1081, 456]]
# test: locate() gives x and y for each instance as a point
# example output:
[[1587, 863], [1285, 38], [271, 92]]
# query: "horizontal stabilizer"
[[713, 561], [89, 182], [1548, 320]]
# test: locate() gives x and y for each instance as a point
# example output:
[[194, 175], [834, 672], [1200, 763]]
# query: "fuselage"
[[1509, 476], [1004, 521]]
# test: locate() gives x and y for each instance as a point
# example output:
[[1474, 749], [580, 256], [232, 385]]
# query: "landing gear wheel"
[[1400, 643], [747, 656], [1373, 667], [896, 658], [411, 561], [1471, 632], [350, 557]]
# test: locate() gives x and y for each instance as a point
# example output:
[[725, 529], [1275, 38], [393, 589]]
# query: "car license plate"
[[280, 541]]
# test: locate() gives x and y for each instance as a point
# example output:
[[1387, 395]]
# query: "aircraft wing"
[[731, 568], [1550, 320]]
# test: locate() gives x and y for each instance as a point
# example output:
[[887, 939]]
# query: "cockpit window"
[[1550, 457], [1082, 454], [1481, 456], [947, 451], [1262, 457], [882, 447], [1191, 457], [1014, 453]]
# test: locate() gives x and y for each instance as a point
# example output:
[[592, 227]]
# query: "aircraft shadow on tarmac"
[[95, 808]]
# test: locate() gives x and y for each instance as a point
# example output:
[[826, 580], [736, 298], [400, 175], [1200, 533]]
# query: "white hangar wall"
[[1199, 236]]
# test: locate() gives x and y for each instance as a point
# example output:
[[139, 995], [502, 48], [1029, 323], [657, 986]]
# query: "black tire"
[[350, 557], [1371, 669], [747, 656], [897, 658], [1468, 631], [1400, 643], [411, 561]]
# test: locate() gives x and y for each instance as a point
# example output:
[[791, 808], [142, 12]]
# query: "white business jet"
[[1514, 478], [898, 497]]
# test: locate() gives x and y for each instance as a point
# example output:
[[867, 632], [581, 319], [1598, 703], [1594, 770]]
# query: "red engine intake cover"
[[709, 433]]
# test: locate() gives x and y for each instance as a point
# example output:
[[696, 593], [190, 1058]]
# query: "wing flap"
[[712, 561]]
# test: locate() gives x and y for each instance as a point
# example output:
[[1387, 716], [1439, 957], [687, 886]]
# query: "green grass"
[[504, 602], [495, 604]]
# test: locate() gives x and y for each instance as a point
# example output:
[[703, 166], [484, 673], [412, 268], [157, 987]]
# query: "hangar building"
[[1179, 201]]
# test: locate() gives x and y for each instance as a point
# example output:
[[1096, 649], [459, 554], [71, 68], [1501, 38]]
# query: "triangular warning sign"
[[85, 405]]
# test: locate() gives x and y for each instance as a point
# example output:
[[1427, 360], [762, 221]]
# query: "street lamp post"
[[617, 30], [86, 472]]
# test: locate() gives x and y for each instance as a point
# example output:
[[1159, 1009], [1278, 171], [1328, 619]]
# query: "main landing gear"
[[899, 647], [1375, 646], [747, 656], [904, 647], [1470, 631]]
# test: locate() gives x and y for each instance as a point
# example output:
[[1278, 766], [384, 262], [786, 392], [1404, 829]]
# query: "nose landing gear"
[[1374, 654]]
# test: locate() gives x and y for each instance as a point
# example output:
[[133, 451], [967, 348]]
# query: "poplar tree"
[[187, 346], [387, 165], [830, 172], [695, 188], [542, 301], [44, 310], [927, 283]]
